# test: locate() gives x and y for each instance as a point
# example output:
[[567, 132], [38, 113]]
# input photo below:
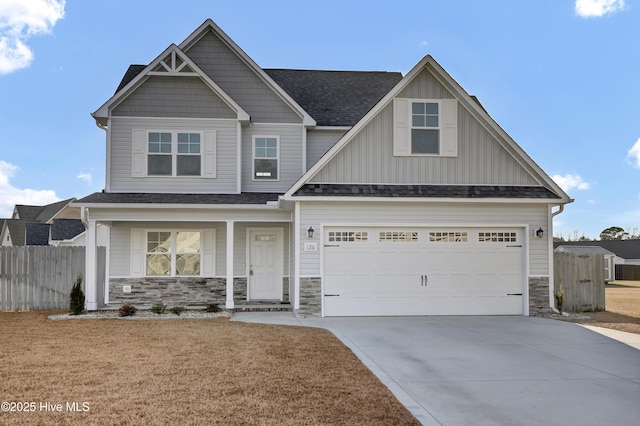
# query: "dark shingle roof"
[[66, 229], [332, 98], [37, 234], [131, 73], [425, 191], [626, 249], [150, 198], [41, 214], [335, 98]]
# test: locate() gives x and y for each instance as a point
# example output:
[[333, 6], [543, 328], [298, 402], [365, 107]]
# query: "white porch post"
[[90, 269], [107, 259], [230, 236]]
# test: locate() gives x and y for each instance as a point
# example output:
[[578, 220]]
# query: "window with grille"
[[497, 237], [348, 236], [448, 237], [398, 236]]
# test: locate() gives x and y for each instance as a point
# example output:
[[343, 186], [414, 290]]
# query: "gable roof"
[[183, 66], [41, 214], [584, 249], [463, 97], [625, 249], [17, 231], [335, 98]]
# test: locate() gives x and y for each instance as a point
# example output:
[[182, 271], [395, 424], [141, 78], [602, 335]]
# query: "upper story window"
[[265, 157], [425, 127], [174, 154]]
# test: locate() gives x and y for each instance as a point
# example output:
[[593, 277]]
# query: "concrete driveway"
[[492, 370]]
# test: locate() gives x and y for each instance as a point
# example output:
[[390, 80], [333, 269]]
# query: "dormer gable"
[[172, 63]]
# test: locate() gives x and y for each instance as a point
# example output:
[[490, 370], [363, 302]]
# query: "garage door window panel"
[[448, 237], [348, 236]]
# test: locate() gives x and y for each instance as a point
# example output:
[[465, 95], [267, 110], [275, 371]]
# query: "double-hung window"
[[265, 157], [172, 253], [425, 127], [174, 154]]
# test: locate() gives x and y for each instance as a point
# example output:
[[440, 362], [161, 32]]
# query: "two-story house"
[[342, 193]]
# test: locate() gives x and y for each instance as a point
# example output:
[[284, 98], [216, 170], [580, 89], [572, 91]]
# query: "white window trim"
[[447, 127], [140, 153], [172, 252], [253, 158], [138, 254]]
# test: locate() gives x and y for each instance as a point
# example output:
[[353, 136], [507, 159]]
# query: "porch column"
[[230, 236], [90, 268]]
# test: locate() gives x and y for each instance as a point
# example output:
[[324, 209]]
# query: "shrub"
[[212, 307], [177, 310], [559, 296], [127, 310], [159, 309], [76, 298]]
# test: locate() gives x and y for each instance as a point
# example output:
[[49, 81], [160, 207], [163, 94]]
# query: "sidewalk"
[[630, 339]]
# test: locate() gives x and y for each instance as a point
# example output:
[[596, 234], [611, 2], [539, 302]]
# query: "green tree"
[[76, 299], [614, 233]]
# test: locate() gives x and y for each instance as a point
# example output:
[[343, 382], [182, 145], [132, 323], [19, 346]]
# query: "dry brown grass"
[[186, 372], [623, 307]]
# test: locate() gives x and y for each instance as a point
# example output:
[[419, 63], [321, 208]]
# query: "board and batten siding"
[[319, 214], [120, 244], [240, 82], [121, 156], [319, 142], [368, 158], [290, 157], [186, 97]]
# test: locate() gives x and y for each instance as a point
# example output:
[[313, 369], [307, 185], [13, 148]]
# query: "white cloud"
[[86, 177], [568, 182], [633, 156], [10, 196], [598, 8], [20, 20]]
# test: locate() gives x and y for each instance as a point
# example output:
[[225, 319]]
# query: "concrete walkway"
[[492, 370]]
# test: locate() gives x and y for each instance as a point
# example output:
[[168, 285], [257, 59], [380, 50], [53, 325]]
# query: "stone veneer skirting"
[[539, 295], [310, 297], [180, 291]]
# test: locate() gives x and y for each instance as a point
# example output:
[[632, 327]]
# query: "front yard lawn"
[[623, 307], [184, 372]]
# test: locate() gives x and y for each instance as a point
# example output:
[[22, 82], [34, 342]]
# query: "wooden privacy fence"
[[582, 278], [628, 272], [41, 277]]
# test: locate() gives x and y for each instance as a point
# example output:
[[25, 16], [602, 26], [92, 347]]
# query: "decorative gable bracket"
[[173, 65]]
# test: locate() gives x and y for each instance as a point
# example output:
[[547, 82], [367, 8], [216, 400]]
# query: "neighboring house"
[[343, 193], [627, 252], [609, 257], [32, 225]]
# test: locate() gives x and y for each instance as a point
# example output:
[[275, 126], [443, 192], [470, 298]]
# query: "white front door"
[[265, 264]]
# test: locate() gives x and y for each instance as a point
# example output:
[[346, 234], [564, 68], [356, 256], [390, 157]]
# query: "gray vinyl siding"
[[319, 142], [120, 249], [481, 160], [240, 82], [187, 97], [121, 156], [290, 157], [424, 214]]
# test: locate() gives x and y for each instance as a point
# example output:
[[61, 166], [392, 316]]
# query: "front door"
[[265, 264]]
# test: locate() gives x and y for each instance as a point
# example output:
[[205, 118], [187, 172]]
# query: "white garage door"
[[371, 271]]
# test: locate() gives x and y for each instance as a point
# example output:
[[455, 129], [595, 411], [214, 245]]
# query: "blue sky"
[[560, 76]]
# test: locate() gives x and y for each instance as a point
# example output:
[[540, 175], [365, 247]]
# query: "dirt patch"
[[184, 371], [623, 308]]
